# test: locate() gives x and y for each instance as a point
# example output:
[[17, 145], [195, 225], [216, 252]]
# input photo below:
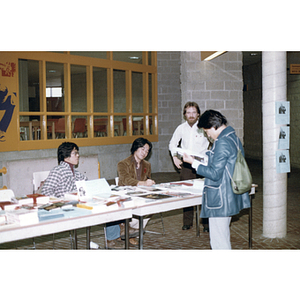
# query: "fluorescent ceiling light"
[[214, 55]]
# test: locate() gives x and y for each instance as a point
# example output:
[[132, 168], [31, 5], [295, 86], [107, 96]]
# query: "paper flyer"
[[88, 188], [284, 138], [282, 161], [282, 114]]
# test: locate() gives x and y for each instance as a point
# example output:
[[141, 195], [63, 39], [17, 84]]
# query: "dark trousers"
[[187, 172]]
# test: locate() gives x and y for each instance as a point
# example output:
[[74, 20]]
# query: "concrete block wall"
[[293, 95], [169, 104], [216, 84], [253, 141]]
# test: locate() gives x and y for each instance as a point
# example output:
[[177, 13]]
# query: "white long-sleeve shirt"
[[192, 138]]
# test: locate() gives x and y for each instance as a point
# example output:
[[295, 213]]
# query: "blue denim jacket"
[[218, 199]]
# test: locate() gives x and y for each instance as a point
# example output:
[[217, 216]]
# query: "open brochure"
[[201, 156], [91, 188]]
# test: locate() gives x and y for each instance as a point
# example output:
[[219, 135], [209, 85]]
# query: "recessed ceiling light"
[[134, 57], [52, 71]]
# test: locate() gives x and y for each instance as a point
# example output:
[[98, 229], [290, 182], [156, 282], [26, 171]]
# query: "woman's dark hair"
[[139, 143], [211, 118], [64, 150]]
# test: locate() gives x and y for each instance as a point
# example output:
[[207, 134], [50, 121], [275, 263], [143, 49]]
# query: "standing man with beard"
[[190, 137]]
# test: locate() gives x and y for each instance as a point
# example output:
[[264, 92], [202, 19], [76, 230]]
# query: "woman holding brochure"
[[219, 203]]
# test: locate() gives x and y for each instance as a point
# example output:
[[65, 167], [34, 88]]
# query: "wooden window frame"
[[67, 60]]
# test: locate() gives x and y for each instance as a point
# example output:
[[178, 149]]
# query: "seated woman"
[[133, 171]]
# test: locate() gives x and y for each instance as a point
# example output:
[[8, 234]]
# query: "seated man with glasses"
[[61, 179]]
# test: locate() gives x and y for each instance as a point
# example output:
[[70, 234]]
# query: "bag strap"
[[236, 143], [238, 148]]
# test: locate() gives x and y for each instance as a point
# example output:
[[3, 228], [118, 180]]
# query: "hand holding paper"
[[188, 158]]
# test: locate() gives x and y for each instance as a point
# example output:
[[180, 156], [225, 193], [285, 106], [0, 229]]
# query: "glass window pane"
[[30, 128], [149, 58], [79, 127], [120, 126], [137, 92], [29, 86], [55, 127], [55, 87], [95, 54], [78, 89], [150, 125], [138, 125], [119, 91], [128, 56], [101, 126], [150, 92], [100, 89]]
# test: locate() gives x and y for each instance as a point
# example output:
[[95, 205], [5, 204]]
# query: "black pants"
[[187, 172]]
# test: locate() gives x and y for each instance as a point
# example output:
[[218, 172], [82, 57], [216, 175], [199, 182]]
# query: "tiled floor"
[[176, 238]]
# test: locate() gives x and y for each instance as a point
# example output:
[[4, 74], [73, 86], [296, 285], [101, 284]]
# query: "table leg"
[[250, 223], [141, 232], [73, 236], [198, 221], [88, 237], [127, 234]]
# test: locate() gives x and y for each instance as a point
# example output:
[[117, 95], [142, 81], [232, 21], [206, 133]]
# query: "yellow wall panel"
[[8, 103]]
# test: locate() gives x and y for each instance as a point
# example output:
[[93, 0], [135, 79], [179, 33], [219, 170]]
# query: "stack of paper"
[[2, 219], [22, 216]]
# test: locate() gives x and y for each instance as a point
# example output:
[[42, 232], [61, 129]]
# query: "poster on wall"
[[8, 101], [284, 138], [283, 161], [282, 114]]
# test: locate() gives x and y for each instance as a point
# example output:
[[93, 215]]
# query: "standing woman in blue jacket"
[[219, 203]]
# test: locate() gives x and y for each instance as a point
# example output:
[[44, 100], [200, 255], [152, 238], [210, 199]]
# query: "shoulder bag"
[[241, 180]]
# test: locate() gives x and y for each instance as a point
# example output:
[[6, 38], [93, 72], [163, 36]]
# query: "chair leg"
[[163, 227], [33, 242], [162, 223], [105, 238]]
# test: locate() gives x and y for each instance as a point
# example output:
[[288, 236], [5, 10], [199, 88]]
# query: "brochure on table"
[[142, 195], [87, 189]]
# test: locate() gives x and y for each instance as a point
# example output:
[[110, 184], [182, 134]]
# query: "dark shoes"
[[186, 227], [132, 232], [115, 244]]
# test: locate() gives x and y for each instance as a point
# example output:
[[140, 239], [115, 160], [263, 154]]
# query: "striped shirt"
[[61, 180]]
